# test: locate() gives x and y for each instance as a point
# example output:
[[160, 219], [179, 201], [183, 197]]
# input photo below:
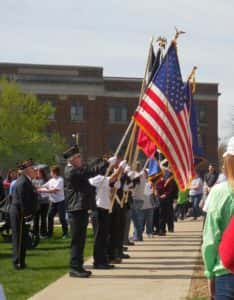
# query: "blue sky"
[[115, 34]]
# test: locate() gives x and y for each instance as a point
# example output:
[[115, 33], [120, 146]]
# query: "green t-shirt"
[[182, 197], [221, 208]]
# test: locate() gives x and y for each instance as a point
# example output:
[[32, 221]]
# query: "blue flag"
[[198, 152], [154, 169]]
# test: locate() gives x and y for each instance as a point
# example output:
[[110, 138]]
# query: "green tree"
[[23, 122]]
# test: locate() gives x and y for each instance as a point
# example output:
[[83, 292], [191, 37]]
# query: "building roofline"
[[114, 78], [48, 66]]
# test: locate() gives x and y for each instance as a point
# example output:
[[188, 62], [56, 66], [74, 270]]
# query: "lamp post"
[[76, 137]]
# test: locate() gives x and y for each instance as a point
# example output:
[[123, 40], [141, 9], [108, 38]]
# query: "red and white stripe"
[[170, 132]]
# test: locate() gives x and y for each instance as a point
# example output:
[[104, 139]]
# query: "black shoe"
[[123, 255], [125, 248], [162, 233], [103, 266], [171, 230], [19, 266], [116, 260], [82, 273], [129, 243]]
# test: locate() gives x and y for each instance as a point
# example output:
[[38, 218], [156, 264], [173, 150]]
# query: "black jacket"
[[211, 178], [79, 194], [25, 196]]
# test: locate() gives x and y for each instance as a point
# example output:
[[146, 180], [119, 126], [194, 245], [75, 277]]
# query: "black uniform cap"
[[25, 164], [71, 151]]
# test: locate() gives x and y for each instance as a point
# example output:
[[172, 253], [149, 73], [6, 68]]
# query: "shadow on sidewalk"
[[172, 244], [161, 257], [187, 268], [164, 250], [146, 277], [169, 263]]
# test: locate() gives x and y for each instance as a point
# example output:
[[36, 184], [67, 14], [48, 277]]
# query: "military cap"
[[71, 151], [25, 164]]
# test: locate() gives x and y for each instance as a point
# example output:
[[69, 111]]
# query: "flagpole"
[[162, 41], [191, 80], [132, 120], [142, 90], [132, 137]]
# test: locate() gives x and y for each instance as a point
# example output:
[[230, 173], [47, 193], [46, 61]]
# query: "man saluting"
[[24, 205], [80, 197]]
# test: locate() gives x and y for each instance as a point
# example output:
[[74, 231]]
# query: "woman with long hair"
[[219, 214], [40, 218]]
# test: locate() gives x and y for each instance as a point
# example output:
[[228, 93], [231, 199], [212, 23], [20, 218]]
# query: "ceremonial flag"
[[154, 63], [154, 169], [163, 115], [198, 152], [143, 141]]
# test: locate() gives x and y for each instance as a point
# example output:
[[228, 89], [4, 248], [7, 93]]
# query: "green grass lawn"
[[46, 263]]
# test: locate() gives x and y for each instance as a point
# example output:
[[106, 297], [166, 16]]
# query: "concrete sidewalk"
[[159, 268]]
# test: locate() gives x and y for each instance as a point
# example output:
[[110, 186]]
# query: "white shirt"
[[139, 190], [103, 191], [55, 183], [196, 182]]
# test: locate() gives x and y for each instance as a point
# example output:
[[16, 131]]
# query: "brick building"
[[99, 108]]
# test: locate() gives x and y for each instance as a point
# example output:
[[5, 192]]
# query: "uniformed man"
[[80, 197], [24, 205]]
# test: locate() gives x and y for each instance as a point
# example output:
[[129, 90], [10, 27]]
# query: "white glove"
[[126, 187], [127, 169], [97, 180], [131, 175], [142, 172], [117, 185], [123, 164], [112, 160]]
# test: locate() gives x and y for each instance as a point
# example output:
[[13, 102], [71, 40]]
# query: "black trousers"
[[19, 236], [128, 216], [156, 220], [53, 210], [117, 224], [101, 236], [170, 216], [163, 211], [78, 227], [41, 217]]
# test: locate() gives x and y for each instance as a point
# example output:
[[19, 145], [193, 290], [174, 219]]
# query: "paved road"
[[159, 268]]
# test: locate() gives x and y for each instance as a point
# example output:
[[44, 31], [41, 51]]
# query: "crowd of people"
[[111, 195]]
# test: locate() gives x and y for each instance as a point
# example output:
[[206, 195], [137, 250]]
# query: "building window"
[[77, 111], [113, 142], [201, 114], [203, 140], [52, 116], [118, 113]]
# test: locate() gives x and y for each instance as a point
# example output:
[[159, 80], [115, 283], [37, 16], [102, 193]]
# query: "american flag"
[[163, 115]]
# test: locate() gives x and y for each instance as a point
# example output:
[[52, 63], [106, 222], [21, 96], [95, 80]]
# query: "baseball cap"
[[230, 147]]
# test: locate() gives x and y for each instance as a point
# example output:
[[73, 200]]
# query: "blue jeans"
[[55, 208], [224, 287], [195, 202], [146, 219], [136, 218]]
